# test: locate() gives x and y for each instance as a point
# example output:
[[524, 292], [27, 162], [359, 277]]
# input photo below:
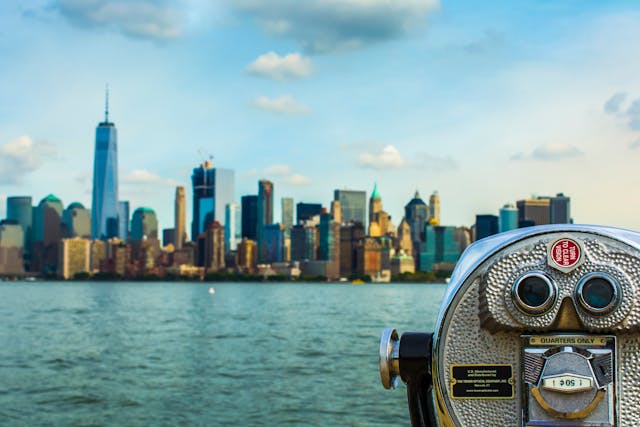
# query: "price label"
[[567, 383]]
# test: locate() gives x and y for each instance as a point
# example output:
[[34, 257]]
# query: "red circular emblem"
[[565, 253]]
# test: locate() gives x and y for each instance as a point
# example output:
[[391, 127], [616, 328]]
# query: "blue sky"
[[486, 103]]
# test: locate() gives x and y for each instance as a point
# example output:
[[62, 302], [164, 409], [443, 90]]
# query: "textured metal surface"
[[479, 323], [466, 342]]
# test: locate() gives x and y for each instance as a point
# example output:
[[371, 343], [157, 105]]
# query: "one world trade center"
[[104, 206]]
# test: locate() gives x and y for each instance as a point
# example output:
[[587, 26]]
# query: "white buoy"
[[212, 291]]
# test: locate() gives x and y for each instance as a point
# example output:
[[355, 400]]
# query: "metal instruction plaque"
[[482, 381]]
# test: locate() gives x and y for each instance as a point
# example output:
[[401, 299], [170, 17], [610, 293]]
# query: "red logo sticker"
[[565, 253]]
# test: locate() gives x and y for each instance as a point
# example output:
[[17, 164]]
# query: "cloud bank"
[[321, 26], [22, 156], [145, 19], [550, 152]]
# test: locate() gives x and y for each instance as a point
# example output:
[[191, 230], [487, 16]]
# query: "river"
[[256, 354]]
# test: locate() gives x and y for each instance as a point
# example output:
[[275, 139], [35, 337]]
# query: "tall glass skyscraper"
[[353, 204], [213, 189], [104, 205], [19, 208]]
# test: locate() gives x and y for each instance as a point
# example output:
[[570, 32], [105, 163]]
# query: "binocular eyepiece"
[[538, 327]]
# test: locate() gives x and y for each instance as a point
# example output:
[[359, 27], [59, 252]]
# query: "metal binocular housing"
[[538, 327]]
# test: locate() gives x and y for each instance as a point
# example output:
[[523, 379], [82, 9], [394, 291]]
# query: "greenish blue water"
[[97, 354]]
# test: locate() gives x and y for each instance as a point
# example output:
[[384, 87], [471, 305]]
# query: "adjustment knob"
[[389, 358]]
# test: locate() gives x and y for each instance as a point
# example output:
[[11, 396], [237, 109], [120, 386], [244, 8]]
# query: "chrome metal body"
[[499, 361]]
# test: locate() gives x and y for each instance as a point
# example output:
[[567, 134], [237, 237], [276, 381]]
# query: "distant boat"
[[357, 282], [212, 291]]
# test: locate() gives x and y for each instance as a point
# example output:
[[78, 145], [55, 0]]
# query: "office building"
[[76, 221], [247, 255], [440, 247], [534, 211], [169, 237], [434, 208], [560, 209], [232, 223], [306, 211], [75, 257], [124, 220], [273, 243], [508, 218], [144, 224], [20, 209], [213, 189], [11, 247], [375, 205], [249, 207], [416, 213], [336, 211], [329, 239], [211, 247], [287, 213], [47, 227], [404, 242], [180, 217], [368, 257], [353, 204], [350, 234], [98, 254], [486, 225], [265, 216], [104, 205]]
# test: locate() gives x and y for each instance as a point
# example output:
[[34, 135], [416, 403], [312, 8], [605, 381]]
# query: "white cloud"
[[635, 144], [331, 25], [550, 152], [285, 104], [144, 177], [613, 104], [282, 68], [278, 170], [284, 173], [388, 158], [22, 156], [148, 19], [296, 179]]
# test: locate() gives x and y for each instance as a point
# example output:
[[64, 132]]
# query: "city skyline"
[[485, 106]]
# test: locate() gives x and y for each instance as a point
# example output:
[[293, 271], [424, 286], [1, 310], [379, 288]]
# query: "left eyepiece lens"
[[533, 293]]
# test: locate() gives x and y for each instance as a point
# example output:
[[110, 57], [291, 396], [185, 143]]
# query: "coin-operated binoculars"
[[538, 327]]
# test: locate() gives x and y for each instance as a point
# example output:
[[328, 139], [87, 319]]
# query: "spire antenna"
[[106, 103]]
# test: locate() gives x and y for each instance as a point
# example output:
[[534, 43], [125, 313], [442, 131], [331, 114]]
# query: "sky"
[[485, 102]]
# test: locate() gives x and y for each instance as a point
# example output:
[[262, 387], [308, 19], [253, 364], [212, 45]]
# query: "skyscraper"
[[232, 234], [76, 221], [180, 216], [375, 204], [416, 212], [144, 224], [486, 225], [287, 214], [305, 211], [508, 218], [213, 189], [434, 207], [249, 216], [265, 215], [47, 220], [560, 209], [124, 214], [353, 204], [534, 210], [104, 205], [20, 209]]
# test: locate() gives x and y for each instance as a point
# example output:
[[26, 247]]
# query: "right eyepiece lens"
[[534, 293], [598, 294]]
